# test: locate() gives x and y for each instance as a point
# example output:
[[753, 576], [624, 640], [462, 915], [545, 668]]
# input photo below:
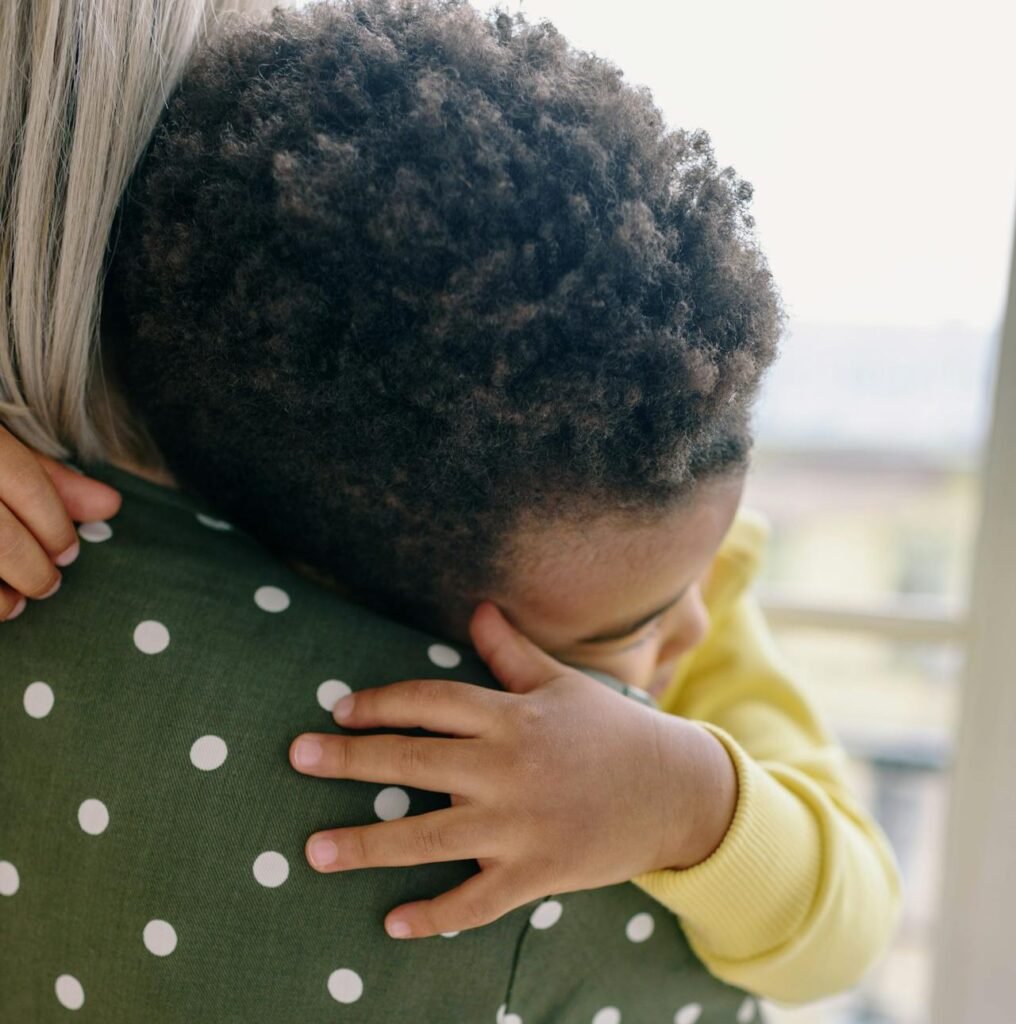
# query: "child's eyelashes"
[[648, 633], [625, 644]]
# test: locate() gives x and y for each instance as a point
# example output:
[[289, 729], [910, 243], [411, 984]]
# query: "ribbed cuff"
[[753, 892]]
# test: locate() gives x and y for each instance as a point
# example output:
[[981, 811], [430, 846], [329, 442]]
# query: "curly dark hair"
[[393, 273]]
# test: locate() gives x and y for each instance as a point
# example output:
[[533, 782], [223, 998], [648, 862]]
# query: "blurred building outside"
[[867, 467]]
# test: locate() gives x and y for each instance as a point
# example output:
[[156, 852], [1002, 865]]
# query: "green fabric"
[[182, 841]]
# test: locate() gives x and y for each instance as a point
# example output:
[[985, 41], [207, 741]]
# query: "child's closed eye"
[[623, 644], [648, 632]]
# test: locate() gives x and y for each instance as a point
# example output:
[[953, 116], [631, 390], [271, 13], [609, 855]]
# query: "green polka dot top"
[[152, 830]]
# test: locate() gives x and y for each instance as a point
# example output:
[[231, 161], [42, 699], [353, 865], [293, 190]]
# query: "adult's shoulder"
[[153, 829]]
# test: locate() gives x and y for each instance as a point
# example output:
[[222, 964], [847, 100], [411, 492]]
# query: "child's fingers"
[[25, 566], [422, 839], [12, 604], [85, 499], [479, 900], [456, 709], [29, 494], [445, 766], [518, 663]]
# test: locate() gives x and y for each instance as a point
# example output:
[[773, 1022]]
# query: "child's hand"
[[38, 499], [560, 784]]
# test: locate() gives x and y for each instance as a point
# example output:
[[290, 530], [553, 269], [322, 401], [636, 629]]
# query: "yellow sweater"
[[803, 893]]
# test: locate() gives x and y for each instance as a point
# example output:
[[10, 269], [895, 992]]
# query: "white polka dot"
[[208, 753], [9, 879], [345, 986], [39, 699], [608, 1015], [640, 927], [93, 817], [212, 523], [443, 656], [330, 692], [449, 935], [391, 802], [271, 599], [688, 1014], [271, 869], [95, 533], [159, 938], [69, 992], [746, 1013], [546, 915], [151, 637]]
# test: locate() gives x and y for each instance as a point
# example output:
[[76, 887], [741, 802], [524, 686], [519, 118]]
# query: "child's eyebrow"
[[631, 627]]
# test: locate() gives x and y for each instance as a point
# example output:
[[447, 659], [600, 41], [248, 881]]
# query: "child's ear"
[[517, 663]]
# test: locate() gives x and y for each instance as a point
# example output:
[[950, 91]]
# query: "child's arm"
[[803, 894], [561, 784], [558, 785], [39, 498]]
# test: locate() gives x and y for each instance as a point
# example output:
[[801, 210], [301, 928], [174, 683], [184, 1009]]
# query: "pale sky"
[[880, 137]]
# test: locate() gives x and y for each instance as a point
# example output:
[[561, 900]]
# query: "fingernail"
[[52, 590], [344, 708], [399, 929], [307, 754], [69, 555], [17, 610], [322, 852]]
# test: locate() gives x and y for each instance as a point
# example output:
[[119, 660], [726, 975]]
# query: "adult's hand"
[[40, 500]]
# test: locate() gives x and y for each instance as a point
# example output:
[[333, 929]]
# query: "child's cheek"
[[636, 666]]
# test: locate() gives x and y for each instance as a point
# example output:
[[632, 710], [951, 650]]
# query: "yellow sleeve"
[[803, 894]]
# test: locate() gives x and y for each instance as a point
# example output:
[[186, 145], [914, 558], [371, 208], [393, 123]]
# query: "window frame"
[[973, 978]]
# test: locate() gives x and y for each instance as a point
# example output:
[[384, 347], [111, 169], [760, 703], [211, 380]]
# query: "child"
[[487, 338]]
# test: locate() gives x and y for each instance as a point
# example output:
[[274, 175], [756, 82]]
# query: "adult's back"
[[152, 830]]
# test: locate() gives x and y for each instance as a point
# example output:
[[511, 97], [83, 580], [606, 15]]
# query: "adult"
[[151, 863], [81, 88]]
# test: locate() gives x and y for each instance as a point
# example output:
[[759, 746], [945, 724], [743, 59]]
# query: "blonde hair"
[[82, 84]]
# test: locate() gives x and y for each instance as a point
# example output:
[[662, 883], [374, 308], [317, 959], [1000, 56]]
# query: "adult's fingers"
[[24, 565], [85, 499], [31, 498], [12, 604], [424, 762], [440, 705], [451, 834]]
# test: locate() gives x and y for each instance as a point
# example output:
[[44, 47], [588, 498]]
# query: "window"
[[880, 142]]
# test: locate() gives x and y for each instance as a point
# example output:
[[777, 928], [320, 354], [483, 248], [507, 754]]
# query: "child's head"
[[410, 292], [618, 593]]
